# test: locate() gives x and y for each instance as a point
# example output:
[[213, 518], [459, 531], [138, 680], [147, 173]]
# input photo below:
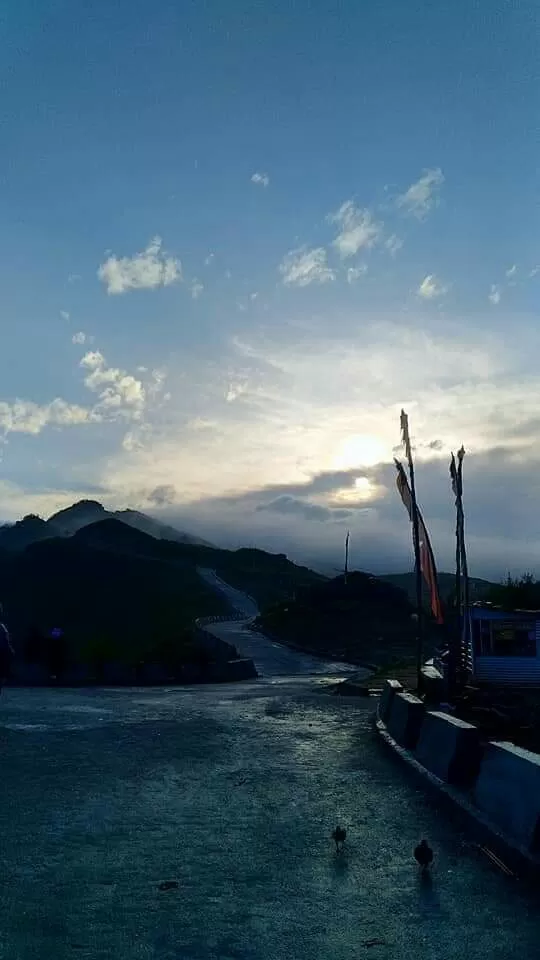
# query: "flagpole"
[[464, 567], [455, 639], [347, 556], [416, 545], [462, 631]]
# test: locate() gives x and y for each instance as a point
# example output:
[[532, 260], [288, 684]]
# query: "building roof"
[[486, 605]]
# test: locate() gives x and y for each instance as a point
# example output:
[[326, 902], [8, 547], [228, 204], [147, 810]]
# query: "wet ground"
[[231, 792]]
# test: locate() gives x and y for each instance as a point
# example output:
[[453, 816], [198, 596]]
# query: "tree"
[[522, 593]]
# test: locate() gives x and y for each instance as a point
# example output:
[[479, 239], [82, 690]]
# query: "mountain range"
[[124, 586], [67, 522]]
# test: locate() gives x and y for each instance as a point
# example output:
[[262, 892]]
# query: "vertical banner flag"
[[427, 559]]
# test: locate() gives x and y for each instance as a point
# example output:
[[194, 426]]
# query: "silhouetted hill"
[[161, 531], [479, 589], [114, 535], [120, 593], [80, 514], [85, 512], [111, 603], [30, 529], [365, 620]]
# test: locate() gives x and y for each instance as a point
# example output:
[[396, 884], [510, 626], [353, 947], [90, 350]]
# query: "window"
[[504, 638]]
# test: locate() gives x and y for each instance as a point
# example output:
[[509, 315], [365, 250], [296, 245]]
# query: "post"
[[418, 580], [465, 634], [416, 543], [454, 652], [347, 556]]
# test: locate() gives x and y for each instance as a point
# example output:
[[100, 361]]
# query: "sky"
[[238, 238]]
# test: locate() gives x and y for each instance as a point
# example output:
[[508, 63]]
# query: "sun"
[[359, 450]]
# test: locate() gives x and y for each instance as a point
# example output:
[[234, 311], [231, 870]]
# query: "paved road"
[[239, 602], [232, 792], [271, 659]]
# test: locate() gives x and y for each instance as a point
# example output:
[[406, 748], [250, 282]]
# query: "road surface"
[[230, 791], [239, 602], [271, 659]]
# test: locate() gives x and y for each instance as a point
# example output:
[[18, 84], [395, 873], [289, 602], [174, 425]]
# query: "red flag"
[[427, 564], [427, 560]]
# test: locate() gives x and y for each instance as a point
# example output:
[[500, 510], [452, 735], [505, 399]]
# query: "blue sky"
[[236, 239]]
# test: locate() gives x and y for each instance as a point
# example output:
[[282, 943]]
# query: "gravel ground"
[[232, 792]]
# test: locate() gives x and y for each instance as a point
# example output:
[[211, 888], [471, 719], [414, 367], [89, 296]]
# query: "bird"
[[423, 854], [339, 835]]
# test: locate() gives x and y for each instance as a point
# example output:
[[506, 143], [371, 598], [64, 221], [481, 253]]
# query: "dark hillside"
[[365, 620], [110, 604]]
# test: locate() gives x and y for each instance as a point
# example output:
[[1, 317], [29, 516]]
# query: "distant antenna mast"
[[347, 556]]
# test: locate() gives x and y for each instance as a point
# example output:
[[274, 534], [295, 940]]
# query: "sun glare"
[[359, 450]]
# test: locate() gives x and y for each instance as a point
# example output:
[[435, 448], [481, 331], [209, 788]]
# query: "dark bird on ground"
[[339, 835], [423, 854]]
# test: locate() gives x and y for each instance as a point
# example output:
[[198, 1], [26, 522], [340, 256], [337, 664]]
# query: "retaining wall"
[[405, 719], [390, 688], [449, 748], [508, 790], [213, 645], [496, 784]]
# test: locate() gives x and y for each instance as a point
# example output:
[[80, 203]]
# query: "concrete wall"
[[508, 790], [449, 748], [233, 671], [405, 719], [218, 649], [390, 688]]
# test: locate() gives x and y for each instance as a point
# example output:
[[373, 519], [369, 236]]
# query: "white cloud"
[[74, 278], [196, 289], [302, 266], [79, 337], [301, 402], [201, 423], [358, 229], [117, 390], [431, 288], [511, 272], [423, 195], [494, 294], [25, 416], [353, 273], [64, 314], [144, 271], [234, 391], [159, 377], [393, 244], [534, 271], [261, 178], [131, 442], [208, 259], [92, 360]]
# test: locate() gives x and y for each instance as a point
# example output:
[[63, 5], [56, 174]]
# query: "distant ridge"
[[67, 522]]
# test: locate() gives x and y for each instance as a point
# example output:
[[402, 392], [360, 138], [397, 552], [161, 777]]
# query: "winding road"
[[231, 792]]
